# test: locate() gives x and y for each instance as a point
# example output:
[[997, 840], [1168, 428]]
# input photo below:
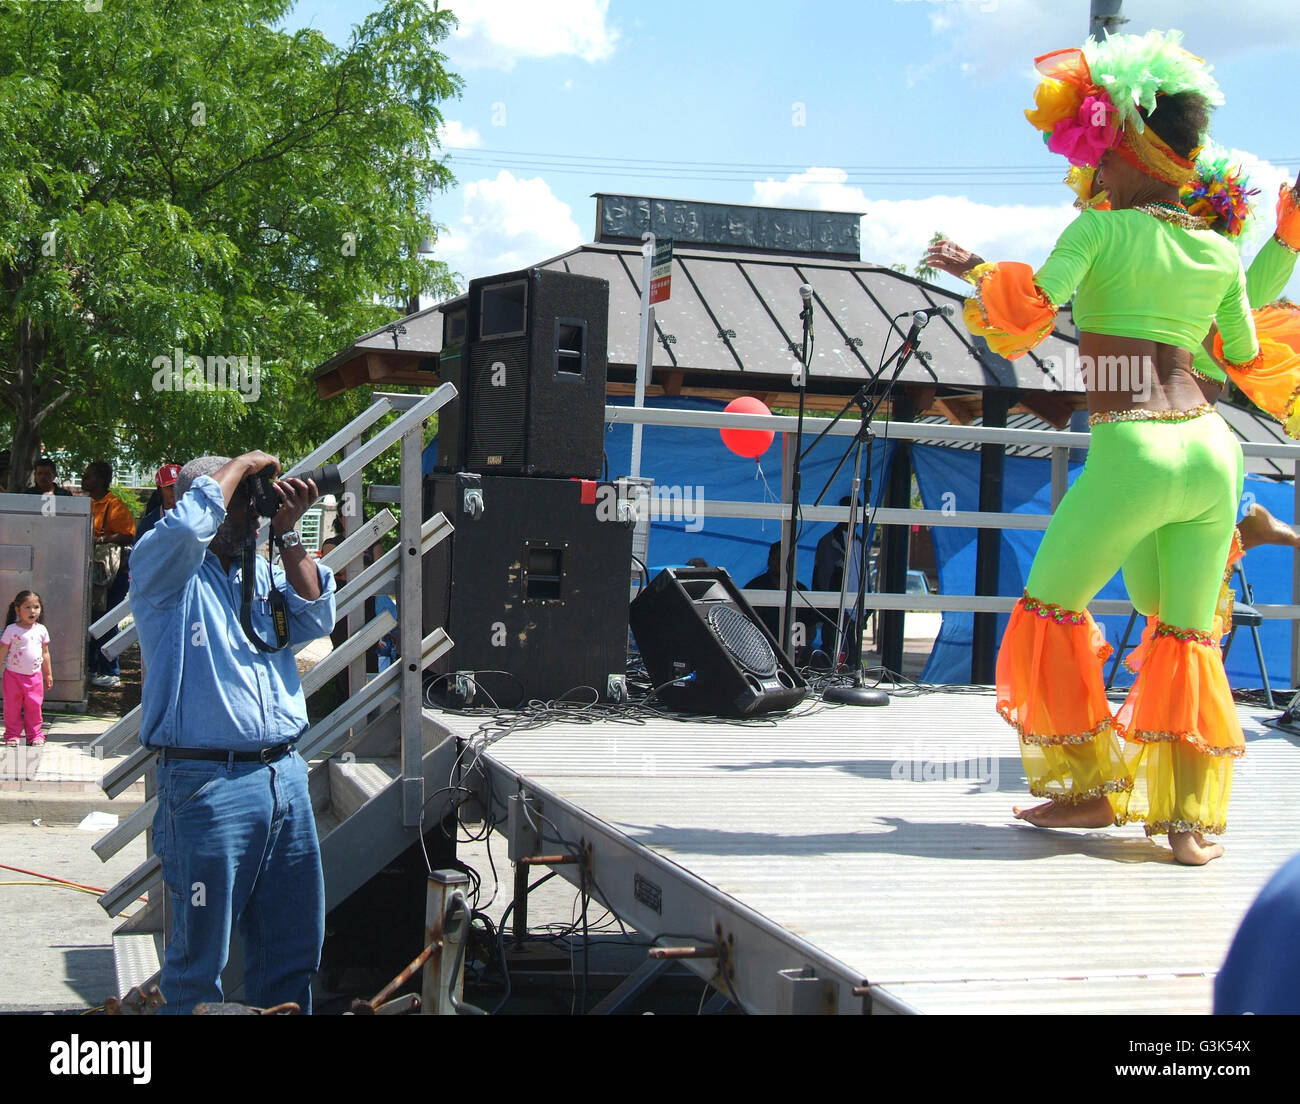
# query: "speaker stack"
[[533, 582]]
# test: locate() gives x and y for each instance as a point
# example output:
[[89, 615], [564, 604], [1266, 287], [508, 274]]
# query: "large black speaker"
[[693, 624], [528, 354], [534, 582]]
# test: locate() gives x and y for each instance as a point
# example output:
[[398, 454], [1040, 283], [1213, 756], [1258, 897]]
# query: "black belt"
[[215, 755]]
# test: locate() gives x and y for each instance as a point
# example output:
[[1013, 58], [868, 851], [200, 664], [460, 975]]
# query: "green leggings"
[[1157, 499]]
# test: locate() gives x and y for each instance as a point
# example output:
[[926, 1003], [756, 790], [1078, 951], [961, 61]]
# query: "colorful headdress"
[[1221, 192], [1093, 99]]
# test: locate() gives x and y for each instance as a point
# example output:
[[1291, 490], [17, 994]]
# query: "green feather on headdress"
[[1132, 69]]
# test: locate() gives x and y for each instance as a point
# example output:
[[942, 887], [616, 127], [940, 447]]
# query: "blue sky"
[[909, 111]]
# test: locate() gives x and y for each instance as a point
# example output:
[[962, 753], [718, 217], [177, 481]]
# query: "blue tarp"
[[950, 478], [697, 459]]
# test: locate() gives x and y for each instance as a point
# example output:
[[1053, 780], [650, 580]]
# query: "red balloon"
[[748, 443]]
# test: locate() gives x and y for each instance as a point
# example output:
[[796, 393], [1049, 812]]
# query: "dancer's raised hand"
[[948, 256]]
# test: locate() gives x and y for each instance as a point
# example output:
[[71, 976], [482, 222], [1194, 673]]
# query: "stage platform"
[[836, 847]]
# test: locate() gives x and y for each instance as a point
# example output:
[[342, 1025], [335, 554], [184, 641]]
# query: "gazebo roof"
[[732, 327]]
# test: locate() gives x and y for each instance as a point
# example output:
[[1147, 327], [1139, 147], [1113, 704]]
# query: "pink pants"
[[23, 697]]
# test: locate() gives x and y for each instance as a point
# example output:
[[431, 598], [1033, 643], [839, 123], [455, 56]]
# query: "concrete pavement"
[[58, 954]]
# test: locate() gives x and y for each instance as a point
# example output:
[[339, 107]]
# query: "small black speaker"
[[693, 624], [528, 354]]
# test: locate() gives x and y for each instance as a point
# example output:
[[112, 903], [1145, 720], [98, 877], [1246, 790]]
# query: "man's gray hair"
[[203, 465]]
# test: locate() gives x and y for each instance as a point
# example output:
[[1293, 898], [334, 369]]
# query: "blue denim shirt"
[[206, 684]]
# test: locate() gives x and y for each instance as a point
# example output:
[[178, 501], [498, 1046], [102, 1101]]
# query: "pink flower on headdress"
[[1092, 131]]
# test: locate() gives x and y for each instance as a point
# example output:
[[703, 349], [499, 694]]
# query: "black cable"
[[645, 571], [420, 823]]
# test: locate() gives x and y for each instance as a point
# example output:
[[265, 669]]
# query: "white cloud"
[[497, 33], [505, 224], [898, 230], [1001, 35], [456, 135]]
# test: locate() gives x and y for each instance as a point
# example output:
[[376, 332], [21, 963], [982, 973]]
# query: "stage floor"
[[884, 839]]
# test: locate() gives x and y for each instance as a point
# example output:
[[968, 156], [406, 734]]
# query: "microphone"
[[922, 317], [806, 294]]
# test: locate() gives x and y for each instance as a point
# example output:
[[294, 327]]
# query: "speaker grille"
[[499, 371], [747, 645]]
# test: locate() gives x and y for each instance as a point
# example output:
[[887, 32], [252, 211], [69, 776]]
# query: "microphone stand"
[[792, 537], [858, 693]]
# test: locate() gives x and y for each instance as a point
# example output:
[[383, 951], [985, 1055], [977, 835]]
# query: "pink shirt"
[[26, 647]]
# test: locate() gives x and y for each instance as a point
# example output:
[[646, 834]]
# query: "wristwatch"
[[289, 539]]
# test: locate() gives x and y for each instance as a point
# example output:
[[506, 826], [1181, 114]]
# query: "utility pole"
[[1106, 18]]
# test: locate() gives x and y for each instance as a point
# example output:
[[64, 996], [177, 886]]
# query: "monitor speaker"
[[528, 354], [707, 651]]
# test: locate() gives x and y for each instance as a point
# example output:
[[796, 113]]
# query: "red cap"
[[167, 475]]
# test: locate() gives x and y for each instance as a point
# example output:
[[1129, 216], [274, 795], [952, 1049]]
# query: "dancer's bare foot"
[[1190, 848], [1096, 813], [1261, 527]]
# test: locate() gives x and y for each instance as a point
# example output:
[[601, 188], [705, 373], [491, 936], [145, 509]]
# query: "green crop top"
[[1134, 275]]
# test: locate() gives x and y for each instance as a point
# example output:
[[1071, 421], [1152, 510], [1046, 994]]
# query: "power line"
[[606, 162]]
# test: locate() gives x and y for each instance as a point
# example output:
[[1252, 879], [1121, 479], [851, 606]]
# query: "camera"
[[266, 502]]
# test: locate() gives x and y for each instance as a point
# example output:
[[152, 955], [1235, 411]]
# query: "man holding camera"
[[234, 826]]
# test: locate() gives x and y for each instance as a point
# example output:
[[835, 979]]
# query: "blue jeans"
[[238, 848]]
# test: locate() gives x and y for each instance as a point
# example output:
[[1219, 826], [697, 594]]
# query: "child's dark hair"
[[22, 596]]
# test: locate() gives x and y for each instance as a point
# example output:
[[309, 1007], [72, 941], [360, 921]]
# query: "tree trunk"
[[27, 418]]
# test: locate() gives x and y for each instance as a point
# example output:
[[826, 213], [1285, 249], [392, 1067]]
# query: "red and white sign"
[[661, 275]]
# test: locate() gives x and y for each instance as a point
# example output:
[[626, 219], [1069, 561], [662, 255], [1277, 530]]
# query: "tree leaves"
[[188, 177]]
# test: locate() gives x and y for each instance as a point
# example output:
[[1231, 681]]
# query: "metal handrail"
[[1059, 441], [896, 431], [417, 653]]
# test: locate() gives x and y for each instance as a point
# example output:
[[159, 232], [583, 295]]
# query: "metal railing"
[[1059, 441]]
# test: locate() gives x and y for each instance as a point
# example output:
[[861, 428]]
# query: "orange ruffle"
[[1272, 380], [1009, 310], [1235, 550], [1288, 218], [1049, 681], [1133, 661], [1181, 695]]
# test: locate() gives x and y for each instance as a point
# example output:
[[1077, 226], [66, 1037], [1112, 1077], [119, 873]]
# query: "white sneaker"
[[106, 681]]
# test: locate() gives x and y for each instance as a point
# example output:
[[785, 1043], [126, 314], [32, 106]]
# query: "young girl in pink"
[[25, 654]]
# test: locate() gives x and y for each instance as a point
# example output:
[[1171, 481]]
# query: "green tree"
[[181, 175]]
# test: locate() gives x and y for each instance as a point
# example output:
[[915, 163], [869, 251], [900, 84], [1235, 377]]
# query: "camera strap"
[[279, 605]]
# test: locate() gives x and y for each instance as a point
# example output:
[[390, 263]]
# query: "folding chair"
[[1245, 613]]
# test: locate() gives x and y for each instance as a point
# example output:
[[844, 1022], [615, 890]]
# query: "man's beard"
[[228, 540]]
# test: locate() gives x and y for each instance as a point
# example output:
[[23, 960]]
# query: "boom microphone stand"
[[858, 693]]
